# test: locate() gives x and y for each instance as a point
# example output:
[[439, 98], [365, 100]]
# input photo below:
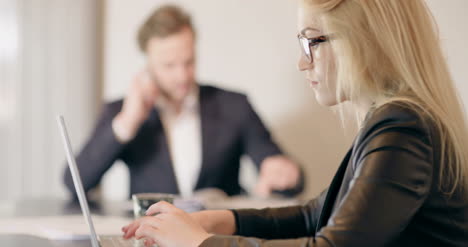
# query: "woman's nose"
[[304, 64]]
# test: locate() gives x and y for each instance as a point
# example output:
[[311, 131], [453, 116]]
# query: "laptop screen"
[[77, 180]]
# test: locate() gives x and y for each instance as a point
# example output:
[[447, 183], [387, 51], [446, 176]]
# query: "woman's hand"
[[170, 227]]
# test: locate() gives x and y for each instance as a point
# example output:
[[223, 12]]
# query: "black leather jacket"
[[385, 193]]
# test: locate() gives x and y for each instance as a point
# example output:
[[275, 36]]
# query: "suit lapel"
[[333, 192], [165, 159], [209, 123]]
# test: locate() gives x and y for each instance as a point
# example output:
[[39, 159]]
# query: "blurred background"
[[69, 56]]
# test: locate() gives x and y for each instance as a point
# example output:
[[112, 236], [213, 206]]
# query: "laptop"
[[96, 241]]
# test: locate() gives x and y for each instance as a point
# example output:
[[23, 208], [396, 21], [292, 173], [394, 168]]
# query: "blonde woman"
[[404, 180]]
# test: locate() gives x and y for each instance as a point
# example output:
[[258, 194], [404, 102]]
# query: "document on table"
[[70, 227]]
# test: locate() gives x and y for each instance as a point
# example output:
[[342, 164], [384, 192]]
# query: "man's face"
[[171, 63]]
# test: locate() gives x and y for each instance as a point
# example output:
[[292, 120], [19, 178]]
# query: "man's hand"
[[137, 105], [277, 173]]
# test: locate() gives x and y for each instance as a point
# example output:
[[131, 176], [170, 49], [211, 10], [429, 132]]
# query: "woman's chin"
[[325, 100]]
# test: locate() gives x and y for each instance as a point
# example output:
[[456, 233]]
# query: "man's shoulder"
[[112, 105], [222, 95], [112, 108], [116, 103]]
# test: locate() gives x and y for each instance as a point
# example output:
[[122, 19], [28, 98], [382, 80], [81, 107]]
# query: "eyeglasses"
[[308, 43]]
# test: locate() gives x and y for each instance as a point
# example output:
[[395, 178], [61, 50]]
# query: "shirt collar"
[[190, 103]]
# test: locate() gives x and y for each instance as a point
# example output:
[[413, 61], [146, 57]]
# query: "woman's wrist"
[[216, 221], [226, 225]]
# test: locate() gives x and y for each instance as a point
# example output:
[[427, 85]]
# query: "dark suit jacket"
[[385, 193], [230, 128]]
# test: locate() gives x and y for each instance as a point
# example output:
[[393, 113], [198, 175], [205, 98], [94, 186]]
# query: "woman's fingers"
[[146, 231], [161, 207], [149, 242], [130, 232], [124, 229]]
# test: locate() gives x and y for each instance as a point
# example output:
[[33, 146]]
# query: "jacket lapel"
[[209, 123], [165, 159], [333, 192]]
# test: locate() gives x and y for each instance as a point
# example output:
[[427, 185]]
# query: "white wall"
[[49, 65], [251, 46], [452, 19]]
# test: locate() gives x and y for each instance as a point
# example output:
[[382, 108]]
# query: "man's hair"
[[163, 22]]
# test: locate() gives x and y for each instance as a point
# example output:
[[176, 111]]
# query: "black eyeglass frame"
[[306, 44]]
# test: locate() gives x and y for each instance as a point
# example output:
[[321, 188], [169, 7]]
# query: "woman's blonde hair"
[[389, 51]]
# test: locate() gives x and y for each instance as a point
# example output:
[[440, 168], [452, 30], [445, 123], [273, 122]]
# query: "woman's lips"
[[313, 83]]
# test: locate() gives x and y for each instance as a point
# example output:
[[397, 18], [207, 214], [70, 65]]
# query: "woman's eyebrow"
[[308, 29]]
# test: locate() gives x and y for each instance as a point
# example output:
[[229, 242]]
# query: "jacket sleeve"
[[98, 154], [393, 168], [259, 144], [257, 140], [287, 222]]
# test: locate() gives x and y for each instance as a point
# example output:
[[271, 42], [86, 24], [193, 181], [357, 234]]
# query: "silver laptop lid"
[[77, 181]]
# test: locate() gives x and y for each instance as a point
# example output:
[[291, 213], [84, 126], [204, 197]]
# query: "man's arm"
[[99, 153], [278, 173]]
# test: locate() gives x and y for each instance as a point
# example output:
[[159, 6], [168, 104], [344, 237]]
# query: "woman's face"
[[321, 72]]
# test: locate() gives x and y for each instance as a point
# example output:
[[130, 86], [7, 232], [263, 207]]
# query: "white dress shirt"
[[183, 135]]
